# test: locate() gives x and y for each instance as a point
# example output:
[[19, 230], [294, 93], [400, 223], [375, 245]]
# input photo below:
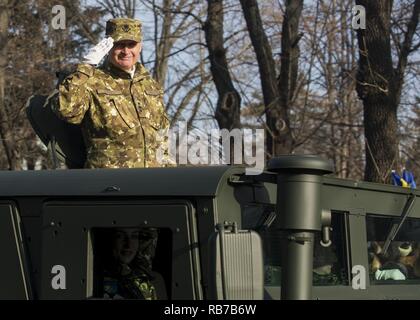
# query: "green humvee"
[[293, 232]]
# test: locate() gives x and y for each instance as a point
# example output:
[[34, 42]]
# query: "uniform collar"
[[139, 74]]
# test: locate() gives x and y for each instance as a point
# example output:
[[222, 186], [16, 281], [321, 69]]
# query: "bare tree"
[[379, 84], [228, 104], [289, 61], [292, 73], [120, 8], [279, 139], [6, 133], [31, 53]]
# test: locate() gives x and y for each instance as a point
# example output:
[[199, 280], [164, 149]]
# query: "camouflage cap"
[[124, 29]]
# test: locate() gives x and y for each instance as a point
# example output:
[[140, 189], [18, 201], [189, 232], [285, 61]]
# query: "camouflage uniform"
[[136, 285], [120, 116]]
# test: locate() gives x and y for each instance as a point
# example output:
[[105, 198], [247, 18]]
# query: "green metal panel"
[[31, 230], [206, 226], [358, 242], [13, 275], [227, 203], [371, 197], [65, 231], [156, 182]]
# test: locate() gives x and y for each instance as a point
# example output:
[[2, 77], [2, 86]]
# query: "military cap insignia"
[[126, 28]]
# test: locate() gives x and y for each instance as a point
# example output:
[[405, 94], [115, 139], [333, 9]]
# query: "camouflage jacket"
[[136, 285], [120, 116]]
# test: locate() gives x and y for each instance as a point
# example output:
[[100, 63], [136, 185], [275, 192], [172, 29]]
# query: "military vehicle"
[[292, 232]]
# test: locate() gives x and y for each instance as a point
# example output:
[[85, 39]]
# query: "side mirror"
[[236, 264]]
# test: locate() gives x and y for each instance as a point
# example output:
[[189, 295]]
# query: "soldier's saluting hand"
[[118, 105], [96, 54]]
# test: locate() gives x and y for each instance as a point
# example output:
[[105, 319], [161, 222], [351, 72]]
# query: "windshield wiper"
[[397, 226]]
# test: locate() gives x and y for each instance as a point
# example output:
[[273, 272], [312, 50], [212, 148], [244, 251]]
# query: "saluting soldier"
[[118, 105]]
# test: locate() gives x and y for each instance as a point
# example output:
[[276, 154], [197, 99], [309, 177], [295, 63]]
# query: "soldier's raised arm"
[[74, 92]]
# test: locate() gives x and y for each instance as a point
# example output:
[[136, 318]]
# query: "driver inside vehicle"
[[127, 272]]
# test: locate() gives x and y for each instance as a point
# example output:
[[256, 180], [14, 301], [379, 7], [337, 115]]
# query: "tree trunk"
[[165, 44], [278, 137], [379, 86], [289, 60], [6, 133], [229, 100], [169, 34]]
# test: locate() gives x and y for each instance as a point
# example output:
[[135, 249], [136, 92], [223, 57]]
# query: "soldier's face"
[[125, 54], [125, 244]]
